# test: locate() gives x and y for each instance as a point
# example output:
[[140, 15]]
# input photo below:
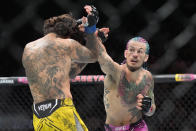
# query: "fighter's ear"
[[125, 53], [146, 58]]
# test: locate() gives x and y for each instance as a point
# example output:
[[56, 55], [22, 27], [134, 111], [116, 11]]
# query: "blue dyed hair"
[[140, 39]]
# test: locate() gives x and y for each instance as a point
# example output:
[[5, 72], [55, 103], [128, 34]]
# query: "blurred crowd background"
[[168, 25]]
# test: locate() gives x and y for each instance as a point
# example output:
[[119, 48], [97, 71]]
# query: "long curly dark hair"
[[64, 26]]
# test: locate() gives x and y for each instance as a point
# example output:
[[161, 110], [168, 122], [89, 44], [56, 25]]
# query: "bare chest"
[[128, 91]]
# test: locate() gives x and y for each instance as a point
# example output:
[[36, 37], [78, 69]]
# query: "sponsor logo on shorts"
[[122, 128], [44, 107]]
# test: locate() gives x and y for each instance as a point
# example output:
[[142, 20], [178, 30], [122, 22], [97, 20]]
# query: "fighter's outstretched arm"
[[108, 66], [77, 68]]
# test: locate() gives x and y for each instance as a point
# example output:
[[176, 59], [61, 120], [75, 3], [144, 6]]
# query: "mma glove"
[[93, 19], [146, 104]]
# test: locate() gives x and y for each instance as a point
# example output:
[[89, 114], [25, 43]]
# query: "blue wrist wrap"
[[91, 29]]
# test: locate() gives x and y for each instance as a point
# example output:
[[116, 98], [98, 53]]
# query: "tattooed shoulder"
[[149, 83]]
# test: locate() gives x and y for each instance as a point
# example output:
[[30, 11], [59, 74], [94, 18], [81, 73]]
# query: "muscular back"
[[47, 67], [47, 63]]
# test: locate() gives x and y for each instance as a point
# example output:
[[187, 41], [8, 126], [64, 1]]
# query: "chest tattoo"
[[129, 90]]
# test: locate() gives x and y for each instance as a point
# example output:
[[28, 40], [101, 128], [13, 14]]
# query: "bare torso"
[[47, 68], [120, 97]]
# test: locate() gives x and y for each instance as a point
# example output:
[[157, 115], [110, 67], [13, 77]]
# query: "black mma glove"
[[146, 104], [102, 36], [93, 18]]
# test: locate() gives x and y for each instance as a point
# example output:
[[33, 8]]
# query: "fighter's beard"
[[133, 69]]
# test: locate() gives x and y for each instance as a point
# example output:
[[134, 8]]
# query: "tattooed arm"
[[148, 91], [151, 95], [108, 66], [82, 54], [76, 68]]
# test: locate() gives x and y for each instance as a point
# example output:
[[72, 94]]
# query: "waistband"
[[45, 108], [110, 127], [136, 123], [66, 102], [63, 102]]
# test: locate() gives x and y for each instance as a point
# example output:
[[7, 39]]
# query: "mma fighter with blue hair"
[[128, 88]]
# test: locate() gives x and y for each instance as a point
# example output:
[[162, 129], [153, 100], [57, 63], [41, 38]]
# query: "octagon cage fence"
[[174, 97]]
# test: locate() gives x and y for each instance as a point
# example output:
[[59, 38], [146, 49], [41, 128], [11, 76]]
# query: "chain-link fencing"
[[175, 107], [168, 25]]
